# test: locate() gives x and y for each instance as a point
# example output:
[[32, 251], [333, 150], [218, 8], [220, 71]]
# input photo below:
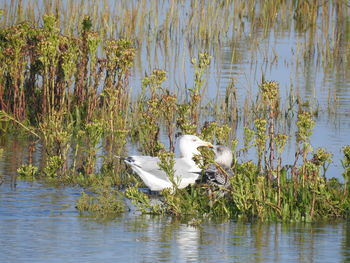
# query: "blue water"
[[39, 223], [277, 53]]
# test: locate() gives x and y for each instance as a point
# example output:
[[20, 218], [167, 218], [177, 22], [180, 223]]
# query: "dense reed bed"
[[169, 32], [64, 82]]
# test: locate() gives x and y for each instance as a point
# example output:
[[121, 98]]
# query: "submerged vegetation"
[[65, 84]]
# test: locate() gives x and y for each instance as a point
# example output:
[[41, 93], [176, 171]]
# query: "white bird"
[[186, 170], [219, 173]]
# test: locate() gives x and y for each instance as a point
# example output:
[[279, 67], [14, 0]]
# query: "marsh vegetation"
[[65, 84]]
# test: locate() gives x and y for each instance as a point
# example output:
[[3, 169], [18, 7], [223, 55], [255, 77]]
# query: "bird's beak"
[[208, 144], [211, 146]]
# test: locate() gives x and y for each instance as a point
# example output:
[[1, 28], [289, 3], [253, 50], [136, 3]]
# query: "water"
[[281, 54], [39, 223], [247, 51]]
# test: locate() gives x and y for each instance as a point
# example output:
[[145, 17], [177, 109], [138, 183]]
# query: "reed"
[[200, 65], [346, 165], [64, 78], [293, 192], [231, 22]]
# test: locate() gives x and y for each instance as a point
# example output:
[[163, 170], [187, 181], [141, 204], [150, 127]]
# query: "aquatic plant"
[[305, 126], [270, 95], [4, 117], [260, 139], [27, 170], [93, 132], [230, 105], [166, 163], [142, 201], [160, 108], [69, 86], [200, 65], [105, 201], [183, 119], [253, 197], [304, 194], [53, 167], [212, 130], [346, 165], [248, 137], [169, 109]]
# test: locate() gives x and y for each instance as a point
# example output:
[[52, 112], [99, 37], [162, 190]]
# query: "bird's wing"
[[185, 170], [218, 175], [150, 165]]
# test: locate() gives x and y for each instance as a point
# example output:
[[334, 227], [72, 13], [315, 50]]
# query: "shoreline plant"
[[71, 95]]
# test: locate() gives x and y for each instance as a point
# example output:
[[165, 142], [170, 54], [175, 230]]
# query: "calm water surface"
[[39, 223], [278, 52]]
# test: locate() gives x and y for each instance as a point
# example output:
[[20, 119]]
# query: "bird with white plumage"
[[186, 170]]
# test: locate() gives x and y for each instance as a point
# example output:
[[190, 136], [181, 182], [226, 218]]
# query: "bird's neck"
[[224, 160], [190, 154], [188, 158], [194, 167]]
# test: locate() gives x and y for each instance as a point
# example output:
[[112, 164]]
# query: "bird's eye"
[[194, 140]]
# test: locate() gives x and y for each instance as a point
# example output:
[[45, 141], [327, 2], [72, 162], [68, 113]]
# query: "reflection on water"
[[327, 91], [250, 48], [40, 224]]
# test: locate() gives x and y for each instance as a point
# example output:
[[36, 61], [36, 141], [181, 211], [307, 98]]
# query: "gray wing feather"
[[218, 175]]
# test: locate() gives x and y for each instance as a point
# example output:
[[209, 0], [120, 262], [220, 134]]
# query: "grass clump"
[[105, 201], [27, 170]]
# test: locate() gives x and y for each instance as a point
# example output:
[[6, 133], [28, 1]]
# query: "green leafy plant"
[[106, 202], [27, 170]]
